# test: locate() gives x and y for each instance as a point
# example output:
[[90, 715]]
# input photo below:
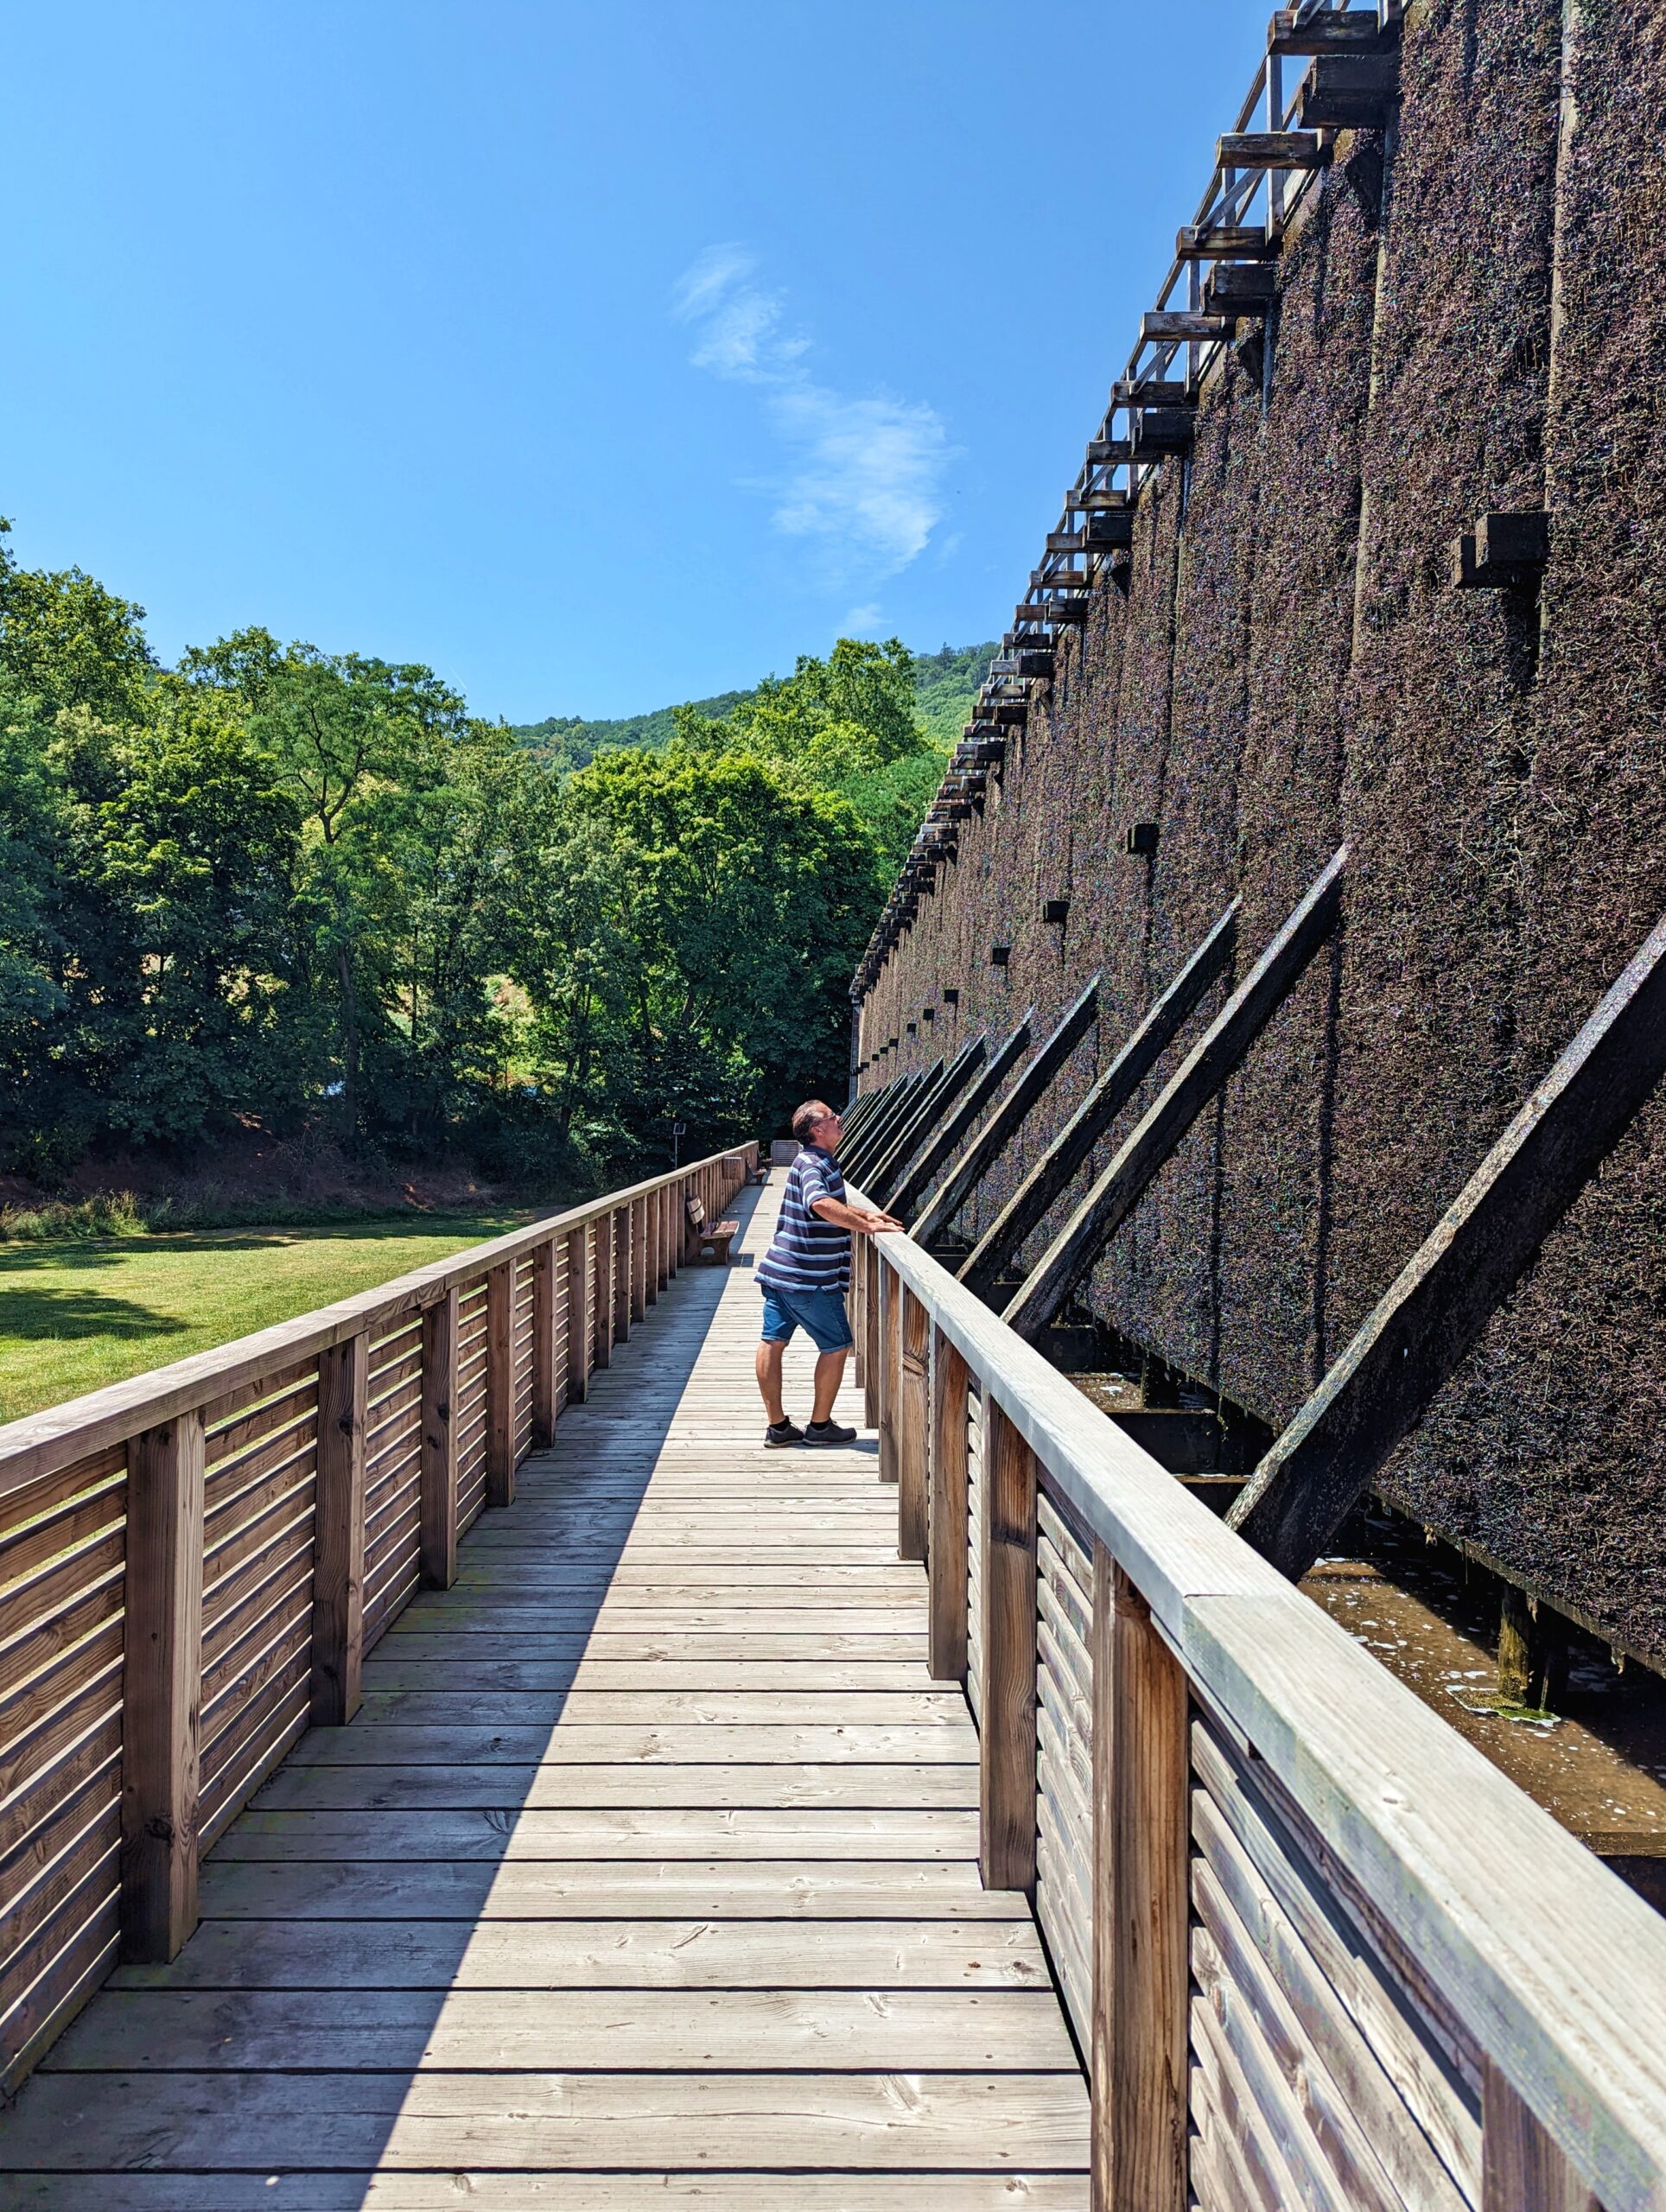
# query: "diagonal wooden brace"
[[1163, 1020], [946, 1143], [1164, 1125], [1009, 1117], [1444, 1297], [883, 1178]]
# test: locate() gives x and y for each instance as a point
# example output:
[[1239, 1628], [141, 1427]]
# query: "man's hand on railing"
[[860, 1221]]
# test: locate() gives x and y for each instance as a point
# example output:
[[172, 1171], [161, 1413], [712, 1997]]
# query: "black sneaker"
[[829, 1432], [780, 1433]]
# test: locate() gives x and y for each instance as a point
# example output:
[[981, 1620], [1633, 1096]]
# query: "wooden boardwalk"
[[646, 1875]]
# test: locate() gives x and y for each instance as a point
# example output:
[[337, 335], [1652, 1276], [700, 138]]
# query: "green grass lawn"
[[79, 1313]]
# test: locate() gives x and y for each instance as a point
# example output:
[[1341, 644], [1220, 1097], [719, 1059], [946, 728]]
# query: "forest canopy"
[[279, 887]]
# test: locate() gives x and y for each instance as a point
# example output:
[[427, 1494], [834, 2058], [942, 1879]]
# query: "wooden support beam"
[[578, 1262], [868, 1260], [926, 1120], [1224, 242], [546, 1387], [1164, 1125], [601, 1295], [1523, 2167], [1160, 431], [1354, 31], [1532, 1652], [337, 1615], [1008, 1726], [1271, 149], [1010, 1116], [639, 1230], [890, 1351], [1346, 92], [898, 1101], [1163, 1019], [1140, 1904], [875, 1164], [619, 1222], [947, 1621], [1237, 287], [500, 1384], [913, 1426], [162, 1673], [1444, 1297], [947, 1142], [438, 1479], [1160, 324]]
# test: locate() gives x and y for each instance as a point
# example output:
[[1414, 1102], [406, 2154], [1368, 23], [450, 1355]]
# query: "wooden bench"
[[711, 1241]]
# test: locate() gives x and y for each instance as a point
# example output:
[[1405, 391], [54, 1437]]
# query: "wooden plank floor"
[[645, 1877]]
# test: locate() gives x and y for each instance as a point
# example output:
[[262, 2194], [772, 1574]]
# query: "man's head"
[[815, 1122]]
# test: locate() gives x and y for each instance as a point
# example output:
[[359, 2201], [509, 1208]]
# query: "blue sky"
[[600, 355]]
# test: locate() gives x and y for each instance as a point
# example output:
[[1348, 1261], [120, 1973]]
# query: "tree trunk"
[[349, 1045]]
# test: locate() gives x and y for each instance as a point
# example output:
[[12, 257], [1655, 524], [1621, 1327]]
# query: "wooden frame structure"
[[942, 1146], [1029, 1087], [1443, 1297], [1252, 1849], [196, 1561], [1326, 68], [883, 1175], [1164, 1125], [1167, 1014]]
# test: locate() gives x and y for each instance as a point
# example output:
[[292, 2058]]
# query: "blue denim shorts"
[[819, 1313]]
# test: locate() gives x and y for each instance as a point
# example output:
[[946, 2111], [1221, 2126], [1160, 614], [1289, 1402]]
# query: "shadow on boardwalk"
[[646, 1875]]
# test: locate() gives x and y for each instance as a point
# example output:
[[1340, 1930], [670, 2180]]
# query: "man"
[[805, 1275]]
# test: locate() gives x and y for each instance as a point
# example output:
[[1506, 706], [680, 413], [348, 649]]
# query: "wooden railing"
[[1317, 1952], [193, 1563]]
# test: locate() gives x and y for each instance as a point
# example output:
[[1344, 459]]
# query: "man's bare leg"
[[829, 1373], [769, 1380]]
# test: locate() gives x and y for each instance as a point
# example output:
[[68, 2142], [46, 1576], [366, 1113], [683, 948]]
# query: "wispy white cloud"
[[865, 474], [861, 620]]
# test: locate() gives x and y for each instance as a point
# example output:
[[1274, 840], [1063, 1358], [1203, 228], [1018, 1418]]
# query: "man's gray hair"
[[805, 1117]]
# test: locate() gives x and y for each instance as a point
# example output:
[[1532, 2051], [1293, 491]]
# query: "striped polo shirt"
[[806, 1252]]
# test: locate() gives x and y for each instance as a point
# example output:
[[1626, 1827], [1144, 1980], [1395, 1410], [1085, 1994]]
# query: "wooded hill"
[[945, 686]]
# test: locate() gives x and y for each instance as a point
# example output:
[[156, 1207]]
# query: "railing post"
[[637, 1215], [668, 1199], [544, 1345], [654, 1225], [621, 1221], [162, 1689], [500, 1384], [950, 1491], [1007, 1739], [338, 1618], [913, 1421], [890, 1362], [1140, 1903], [872, 1267], [606, 1257], [438, 1479], [1523, 2167], [578, 1315], [859, 1313]]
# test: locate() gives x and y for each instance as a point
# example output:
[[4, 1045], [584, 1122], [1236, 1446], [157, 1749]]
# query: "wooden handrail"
[[40, 1444], [195, 1561], [1533, 1969]]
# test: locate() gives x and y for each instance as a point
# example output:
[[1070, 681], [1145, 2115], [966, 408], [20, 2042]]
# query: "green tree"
[[846, 725], [743, 897], [67, 642]]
